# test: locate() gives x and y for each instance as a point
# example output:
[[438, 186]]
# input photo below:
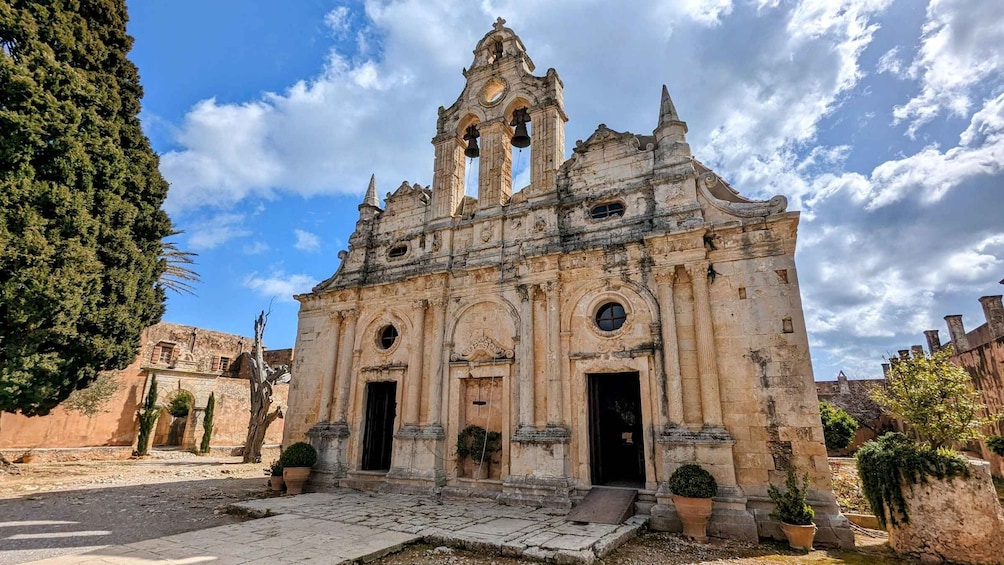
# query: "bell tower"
[[503, 105]]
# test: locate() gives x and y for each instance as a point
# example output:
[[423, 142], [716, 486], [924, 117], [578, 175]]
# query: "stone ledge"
[[549, 434]]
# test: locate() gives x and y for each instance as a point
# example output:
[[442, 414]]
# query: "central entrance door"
[[616, 451], [381, 405]]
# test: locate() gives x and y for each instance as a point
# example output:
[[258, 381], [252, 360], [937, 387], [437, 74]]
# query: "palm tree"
[[177, 276]]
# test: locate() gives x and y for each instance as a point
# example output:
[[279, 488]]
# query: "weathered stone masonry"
[[625, 313]]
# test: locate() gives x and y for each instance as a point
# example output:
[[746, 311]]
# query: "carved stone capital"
[[666, 277], [697, 271], [552, 288], [350, 315], [421, 304], [335, 316], [526, 291]]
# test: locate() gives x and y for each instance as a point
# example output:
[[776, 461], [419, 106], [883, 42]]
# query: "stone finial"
[[960, 342], [933, 341], [667, 111], [993, 309], [499, 24], [371, 194]]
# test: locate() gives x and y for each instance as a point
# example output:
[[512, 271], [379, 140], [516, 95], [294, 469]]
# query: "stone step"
[[605, 506]]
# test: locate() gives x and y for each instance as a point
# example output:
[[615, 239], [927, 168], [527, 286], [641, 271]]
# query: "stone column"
[[707, 364], [526, 365], [547, 150], [554, 393], [415, 360], [448, 175], [672, 392], [438, 366], [328, 385], [495, 175], [345, 355], [960, 341]]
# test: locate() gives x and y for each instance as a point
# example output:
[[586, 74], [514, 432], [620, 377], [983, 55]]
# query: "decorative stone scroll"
[[483, 349]]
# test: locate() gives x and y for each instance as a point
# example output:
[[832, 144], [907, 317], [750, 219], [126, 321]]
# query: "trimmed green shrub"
[[207, 424], [474, 441], [181, 404], [996, 444], [692, 481], [300, 454], [147, 418], [791, 507], [888, 464], [838, 426]]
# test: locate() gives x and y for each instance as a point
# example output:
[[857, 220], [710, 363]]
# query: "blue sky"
[[881, 120]]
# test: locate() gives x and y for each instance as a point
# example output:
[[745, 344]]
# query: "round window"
[[387, 337], [610, 317]]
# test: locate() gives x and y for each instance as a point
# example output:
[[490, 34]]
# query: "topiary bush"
[[207, 424], [692, 481], [791, 507], [838, 426], [300, 454], [996, 444], [887, 464]]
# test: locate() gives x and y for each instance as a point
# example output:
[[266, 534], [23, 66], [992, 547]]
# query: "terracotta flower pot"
[[276, 483], [799, 537], [694, 513], [295, 477]]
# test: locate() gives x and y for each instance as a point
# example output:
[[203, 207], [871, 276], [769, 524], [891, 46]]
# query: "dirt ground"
[[54, 509], [51, 509]]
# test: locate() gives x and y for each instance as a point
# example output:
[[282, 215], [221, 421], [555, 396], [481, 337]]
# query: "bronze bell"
[[521, 138], [471, 137]]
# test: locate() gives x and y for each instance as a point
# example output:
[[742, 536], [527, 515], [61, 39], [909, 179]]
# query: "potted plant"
[[476, 448], [275, 481], [296, 462], [693, 488], [794, 513]]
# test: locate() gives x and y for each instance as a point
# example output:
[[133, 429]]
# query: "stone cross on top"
[[499, 24]]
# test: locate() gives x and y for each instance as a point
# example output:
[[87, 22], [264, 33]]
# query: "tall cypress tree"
[[80, 196]]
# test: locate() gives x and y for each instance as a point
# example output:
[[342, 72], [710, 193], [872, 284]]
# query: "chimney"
[[958, 333], [917, 350], [993, 309], [933, 341], [885, 370], [904, 353]]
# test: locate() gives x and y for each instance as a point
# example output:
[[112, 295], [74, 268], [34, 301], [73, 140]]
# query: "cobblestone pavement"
[[349, 526]]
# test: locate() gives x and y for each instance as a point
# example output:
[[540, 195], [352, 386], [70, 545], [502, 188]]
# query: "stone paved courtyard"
[[349, 526]]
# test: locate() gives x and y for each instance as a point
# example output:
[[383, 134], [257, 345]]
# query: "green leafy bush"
[[692, 481], [275, 469], [887, 464], [181, 404], [300, 454], [935, 398], [790, 506], [996, 444], [473, 441], [838, 426]]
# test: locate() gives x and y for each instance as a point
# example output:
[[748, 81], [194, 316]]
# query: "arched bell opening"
[[469, 136], [518, 117]]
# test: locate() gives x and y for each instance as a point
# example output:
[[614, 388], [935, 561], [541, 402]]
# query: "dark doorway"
[[381, 405], [616, 450]]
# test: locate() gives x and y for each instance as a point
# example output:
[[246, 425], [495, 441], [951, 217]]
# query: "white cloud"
[[216, 231], [960, 47], [338, 20], [279, 285], [306, 241], [256, 248], [890, 63]]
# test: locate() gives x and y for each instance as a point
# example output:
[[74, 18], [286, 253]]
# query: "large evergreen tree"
[[81, 227]]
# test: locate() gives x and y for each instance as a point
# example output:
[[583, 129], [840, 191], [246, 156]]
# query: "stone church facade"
[[625, 313]]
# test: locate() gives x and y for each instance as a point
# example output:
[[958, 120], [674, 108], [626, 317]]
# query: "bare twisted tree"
[[262, 379]]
